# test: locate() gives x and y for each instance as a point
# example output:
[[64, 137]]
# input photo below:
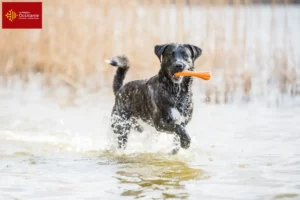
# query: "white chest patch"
[[176, 116]]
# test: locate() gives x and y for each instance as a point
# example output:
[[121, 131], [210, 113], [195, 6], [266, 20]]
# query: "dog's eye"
[[185, 56], [169, 55]]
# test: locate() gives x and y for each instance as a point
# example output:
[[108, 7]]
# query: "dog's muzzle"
[[178, 67]]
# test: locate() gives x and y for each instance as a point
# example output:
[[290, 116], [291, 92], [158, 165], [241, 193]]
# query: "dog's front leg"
[[185, 139], [163, 125]]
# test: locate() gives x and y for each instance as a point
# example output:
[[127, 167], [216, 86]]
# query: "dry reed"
[[78, 35]]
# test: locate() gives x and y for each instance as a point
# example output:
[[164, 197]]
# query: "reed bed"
[[251, 49]]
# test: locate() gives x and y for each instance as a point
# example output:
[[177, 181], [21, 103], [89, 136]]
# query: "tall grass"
[[251, 50]]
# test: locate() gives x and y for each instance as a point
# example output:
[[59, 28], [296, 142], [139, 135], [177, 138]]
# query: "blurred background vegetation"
[[250, 46]]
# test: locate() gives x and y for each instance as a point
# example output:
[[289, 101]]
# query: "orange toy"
[[203, 75]]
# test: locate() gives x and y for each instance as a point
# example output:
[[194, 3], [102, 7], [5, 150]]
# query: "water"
[[52, 150]]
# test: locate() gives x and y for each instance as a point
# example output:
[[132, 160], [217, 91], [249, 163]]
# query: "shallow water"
[[49, 150]]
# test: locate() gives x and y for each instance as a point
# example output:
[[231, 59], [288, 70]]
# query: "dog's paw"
[[175, 150], [185, 141], [138, 128]]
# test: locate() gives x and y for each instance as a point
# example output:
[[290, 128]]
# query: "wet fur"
[[162, 101]]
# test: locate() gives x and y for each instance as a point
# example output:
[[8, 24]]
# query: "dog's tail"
[[122, 63]]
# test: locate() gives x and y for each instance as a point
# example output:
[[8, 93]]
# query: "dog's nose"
[[179, 66]]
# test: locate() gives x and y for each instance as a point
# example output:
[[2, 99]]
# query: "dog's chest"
[[176, 116], [181, 112]]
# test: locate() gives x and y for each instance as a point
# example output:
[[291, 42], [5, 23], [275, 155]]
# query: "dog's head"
[[176, 58]]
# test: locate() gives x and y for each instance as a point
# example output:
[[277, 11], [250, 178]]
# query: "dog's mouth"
[[177, 79]]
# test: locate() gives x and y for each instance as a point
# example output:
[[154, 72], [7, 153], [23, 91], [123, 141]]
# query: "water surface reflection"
[[160, 175]]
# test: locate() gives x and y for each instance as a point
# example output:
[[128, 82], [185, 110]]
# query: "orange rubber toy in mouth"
[[203, 75]]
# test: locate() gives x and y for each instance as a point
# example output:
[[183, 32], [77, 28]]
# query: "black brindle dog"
[[163, 101]]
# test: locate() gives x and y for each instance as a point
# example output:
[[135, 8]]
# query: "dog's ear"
[[159, 49], [196, 51]]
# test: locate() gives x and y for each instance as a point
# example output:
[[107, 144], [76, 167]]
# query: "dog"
[[163, 101]]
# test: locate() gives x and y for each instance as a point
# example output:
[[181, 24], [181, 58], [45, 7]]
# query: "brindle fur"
[[155, 99]]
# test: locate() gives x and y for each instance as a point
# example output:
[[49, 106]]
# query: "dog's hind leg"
[[121, 126]]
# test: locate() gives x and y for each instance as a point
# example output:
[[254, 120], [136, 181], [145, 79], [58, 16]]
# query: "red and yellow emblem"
[[11, 15]]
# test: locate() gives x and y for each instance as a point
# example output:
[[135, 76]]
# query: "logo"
[[21, 15], [11, 15]]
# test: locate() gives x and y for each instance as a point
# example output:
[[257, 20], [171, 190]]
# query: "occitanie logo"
[[11, 15]]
